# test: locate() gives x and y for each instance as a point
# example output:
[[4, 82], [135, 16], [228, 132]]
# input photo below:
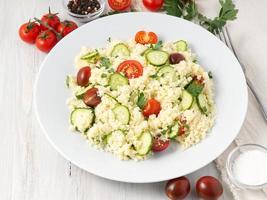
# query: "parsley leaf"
[[210, 74], [194, 88], [141, 101], [105, 62], [157, 46]]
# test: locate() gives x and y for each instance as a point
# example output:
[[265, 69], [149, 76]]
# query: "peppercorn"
[[83, 7]]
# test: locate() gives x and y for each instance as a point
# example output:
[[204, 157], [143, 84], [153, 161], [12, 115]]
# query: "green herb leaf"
[[157, 46], [194, 88], [210, 75], [104, 75], [173, 7], [105, 62], [153, 76], [141, 101]]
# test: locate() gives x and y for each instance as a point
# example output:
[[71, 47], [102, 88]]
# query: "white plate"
[[53, 114]]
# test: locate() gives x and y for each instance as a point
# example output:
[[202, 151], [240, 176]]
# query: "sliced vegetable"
[[146, 52], [187, 100], [120, 50], [203, 104], [116, 138], [157, 57], [131, 68], [117, 80], [194, 88], [91, 98], [111, 98], [82, 118], [79, 94], [159, 144], [143, 37], [152, 107], [122, 114], [91, 57], [166, 71], [181, 45], [144, 143], [174, 130]]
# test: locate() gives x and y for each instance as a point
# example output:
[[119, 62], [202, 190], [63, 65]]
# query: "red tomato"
[[29, 31], [152, 107], [178, 188], [83, 76], [46, 41], [143, 37], [65, 27], [119, 5], [209, 188], [160, 145], [181, 130], [91, 98], [131, 68], [50, 19], [153, 5]]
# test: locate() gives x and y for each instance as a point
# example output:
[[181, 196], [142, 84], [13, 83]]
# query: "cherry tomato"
[[144, 37], [50, 19], [175, 58], [181, 130], [29, 31], [65, 27], [153, 5], [46, 41], [83, 76], [91, 98], [209, 188], [160, 145], [119, 5], [178, 188], [152, 107], [131, 68]]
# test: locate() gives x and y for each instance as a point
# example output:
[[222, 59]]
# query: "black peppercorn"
[[83, 7]]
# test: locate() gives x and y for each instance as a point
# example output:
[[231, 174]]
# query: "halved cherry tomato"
[[144, 37], [91, 98], [50, 19], [29, 31], [65, 27], [152, 107], [119, 5], [131, 68], [83, 76], [159, 144], [46, 41]]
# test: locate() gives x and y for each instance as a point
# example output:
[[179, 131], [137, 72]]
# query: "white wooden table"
[[31, 169]]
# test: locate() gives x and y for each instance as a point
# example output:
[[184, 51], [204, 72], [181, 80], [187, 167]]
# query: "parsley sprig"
[[189, 10]]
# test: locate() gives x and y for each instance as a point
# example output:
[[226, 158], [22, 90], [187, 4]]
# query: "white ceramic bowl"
[[230, 97]]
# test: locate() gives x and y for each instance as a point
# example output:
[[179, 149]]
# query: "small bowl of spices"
[[84, 10], [247, 166]]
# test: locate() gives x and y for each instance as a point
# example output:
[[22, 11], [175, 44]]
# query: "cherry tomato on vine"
[[153, 5], [119, 5], [144, 37], [65, 27], [50, 19], [46, 41], [131, 68], [29, 31]]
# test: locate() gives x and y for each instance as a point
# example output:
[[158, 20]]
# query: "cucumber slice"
[[82, 118], [181, 45], [144, 143], [91, 57], [117, 80], [146, 52], [166, 72], [174, 130], [115, 139], [120, 50], [111, 98], [79, 94], [122, 114], [187, 100], [203, 104], [157, 57]]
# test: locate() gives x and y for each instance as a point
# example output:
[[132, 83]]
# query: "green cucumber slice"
[[122, 114], [187, 100], [91, 57], [174, 130], [203, 104], [144, 143], [82, 118], [157, 57], [115, 139], [117, 80], [120, 50], [181, 45], [166, 71]]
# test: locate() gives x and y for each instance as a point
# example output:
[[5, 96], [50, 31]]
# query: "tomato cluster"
[[45, 33]]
